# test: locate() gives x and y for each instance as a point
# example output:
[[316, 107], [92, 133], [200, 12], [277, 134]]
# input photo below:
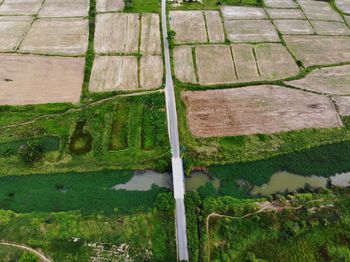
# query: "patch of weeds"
[[81, 140]]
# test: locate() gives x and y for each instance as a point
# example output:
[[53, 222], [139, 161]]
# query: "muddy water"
[[198, 179], [284, 181]]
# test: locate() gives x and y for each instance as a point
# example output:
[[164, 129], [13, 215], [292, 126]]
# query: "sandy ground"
[[214, 26], [29, 79], [150, 34], [319, 50], [285, 13], [113, 73], [275, 62], [20, 7], [57, 36], [294, 27], [241, 31], [246, 65], [65, 8], [331, 80], [241, 13], [183, 64], [330, 28], [109, 5], [280, 3], [117, 33], [189, 26], [343, 104], [215, 65], [256, 110], [343, 5], [151, 72], [319, 11], [12, 31]]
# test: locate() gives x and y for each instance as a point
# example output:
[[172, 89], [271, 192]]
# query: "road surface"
[[177, 165]]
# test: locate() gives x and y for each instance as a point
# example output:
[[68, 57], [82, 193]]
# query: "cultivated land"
[[65, 8], [109, 5]]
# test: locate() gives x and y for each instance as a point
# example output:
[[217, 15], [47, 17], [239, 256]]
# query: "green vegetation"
[[214, 4], [28, 257], [88, 136], [142, 6], [8, 253]]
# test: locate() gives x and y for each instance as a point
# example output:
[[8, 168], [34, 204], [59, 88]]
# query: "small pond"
[[198, 179]]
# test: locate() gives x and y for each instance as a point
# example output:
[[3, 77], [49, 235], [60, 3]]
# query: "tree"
[[30, 152]]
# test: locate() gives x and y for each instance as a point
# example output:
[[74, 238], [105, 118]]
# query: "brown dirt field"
[[280, 3], [242, 13], [189, 26], [150, 34], [330, 28], [275, 61], [109, 5], [246, 65], [215, 28], [117, 33], [285, 13], [319, 11], [319, 50], [347, 19], [20, 7], [215, 65], [294, 27], [257, 110], [65, 8], [151, 72], [331, 80], [12, 31], [343, 104], [183, 64], [30, 79], [343, 5], [113, 73], [57, 36]]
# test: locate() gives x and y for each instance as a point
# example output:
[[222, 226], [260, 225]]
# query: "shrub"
[[30, 152], [28, 257]]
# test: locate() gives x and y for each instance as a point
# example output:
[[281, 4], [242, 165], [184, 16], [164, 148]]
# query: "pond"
[[198, 179]]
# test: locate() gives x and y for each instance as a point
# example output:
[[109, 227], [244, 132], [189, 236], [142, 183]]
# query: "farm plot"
[[67, 36], [319, 11], [257, 110], [12, 31], [296, 27], [29, 79], [343, 104], [109, 5], [217, 65], [65, 8], [332, 80], [20, 7], [215, 28], [343, 5], [330, 28], [319, 50], [150, 35], [275, 13], [242, 13], [280, 3], [151, 72]]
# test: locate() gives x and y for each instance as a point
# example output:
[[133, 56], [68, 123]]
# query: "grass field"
[[143, 6], [137, 140], [215, 4]]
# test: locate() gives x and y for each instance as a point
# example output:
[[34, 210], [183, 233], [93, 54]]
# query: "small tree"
[[28, 257], [30, 152], [128, 3]]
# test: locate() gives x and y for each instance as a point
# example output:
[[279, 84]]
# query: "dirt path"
[[24, 247], [79, 109]]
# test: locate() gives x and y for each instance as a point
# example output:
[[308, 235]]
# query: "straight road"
[[177, 165]]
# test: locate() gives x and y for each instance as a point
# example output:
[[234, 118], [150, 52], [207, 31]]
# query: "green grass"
[[215, 4], [143, 6], [8, 253], [88, 192]]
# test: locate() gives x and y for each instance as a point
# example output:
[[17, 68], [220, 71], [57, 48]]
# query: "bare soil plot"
[[215, 64], [294, 27], [20, 7], [343, 5], [319, 10], [183, 64], [330, 28], [113, 73], [246, 65], [58, 36], [251, 31], [151, 72], [331, 80], [117, 33], [214, 26], [150, 34], [257, 110], [280, 3], [189, 26], [65, 8], [241, 13], [285, 13], [109, 5], [347, 19], [275, 61], [12, 31], [343, 104], [319, 50], [30, 79]]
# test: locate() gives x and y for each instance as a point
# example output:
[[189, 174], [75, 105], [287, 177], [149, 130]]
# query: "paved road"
[[177, 165]]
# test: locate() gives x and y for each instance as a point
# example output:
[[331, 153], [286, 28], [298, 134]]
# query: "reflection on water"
[[143, 181], [284, 181], [198, 179]]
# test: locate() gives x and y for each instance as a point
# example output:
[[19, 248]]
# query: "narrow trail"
[[47, 116], [24, 247]]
